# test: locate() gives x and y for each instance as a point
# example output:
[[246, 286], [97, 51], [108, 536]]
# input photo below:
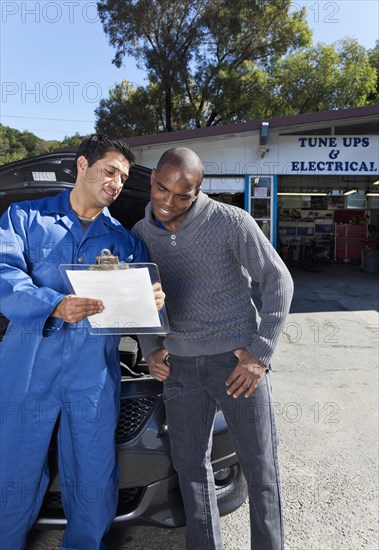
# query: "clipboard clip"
[[107, 261]]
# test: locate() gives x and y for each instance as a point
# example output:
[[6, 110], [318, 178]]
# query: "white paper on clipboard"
[[126, 291]]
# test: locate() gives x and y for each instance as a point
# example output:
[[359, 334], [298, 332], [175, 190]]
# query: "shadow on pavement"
[[331, 287]]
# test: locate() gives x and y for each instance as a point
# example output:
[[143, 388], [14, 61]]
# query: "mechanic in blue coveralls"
[[51, 367]]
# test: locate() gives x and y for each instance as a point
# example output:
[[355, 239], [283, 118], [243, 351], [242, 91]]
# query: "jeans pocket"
[[224, 360], [171, 390]]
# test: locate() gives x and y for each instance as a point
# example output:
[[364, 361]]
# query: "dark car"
[[149, 493]]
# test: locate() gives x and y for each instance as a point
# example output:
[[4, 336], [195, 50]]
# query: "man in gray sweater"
[[219, 349]]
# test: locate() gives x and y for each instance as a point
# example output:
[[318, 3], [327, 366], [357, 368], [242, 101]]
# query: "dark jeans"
[[193, 392]]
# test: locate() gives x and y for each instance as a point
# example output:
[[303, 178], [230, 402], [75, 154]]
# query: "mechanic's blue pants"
[[74, 377], [193, 392]]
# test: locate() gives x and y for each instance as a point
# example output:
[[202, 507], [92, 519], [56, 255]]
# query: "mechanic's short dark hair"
[[96, 146]]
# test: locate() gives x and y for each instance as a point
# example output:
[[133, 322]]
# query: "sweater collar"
[[197, 207]]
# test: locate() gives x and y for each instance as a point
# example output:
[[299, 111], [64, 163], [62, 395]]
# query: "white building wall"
[[283, 155], [227, 154]]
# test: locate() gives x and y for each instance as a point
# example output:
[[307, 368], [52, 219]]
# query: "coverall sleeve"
[[263, 264], [21, 301]]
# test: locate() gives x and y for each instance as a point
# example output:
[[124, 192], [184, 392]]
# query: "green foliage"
[[374, 62], [16, 145], [304, 82], [320, 78], [70, 141], [129, 111]]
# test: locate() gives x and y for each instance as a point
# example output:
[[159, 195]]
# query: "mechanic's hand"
[[73, 309], [159, 295], [158, 364], [246, 375]]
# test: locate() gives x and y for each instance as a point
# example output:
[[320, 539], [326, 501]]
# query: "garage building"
[[310, 181]]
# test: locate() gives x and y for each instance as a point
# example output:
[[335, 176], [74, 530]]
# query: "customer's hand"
[[73, 309], [159, 295], [158, 364], [247, 374]]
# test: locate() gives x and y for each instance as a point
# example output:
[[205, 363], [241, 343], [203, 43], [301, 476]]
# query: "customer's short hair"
[[96, 146], [183, 157]]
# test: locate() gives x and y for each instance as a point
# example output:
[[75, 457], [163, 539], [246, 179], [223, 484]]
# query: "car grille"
[[52, 501], [133, 413], [128, 500]]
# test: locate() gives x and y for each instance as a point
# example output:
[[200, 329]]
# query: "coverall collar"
[[60, 204]]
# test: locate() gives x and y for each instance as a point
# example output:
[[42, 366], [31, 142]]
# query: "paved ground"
[[326, 397]]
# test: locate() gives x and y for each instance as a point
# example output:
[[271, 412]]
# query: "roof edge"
[[240, 127]]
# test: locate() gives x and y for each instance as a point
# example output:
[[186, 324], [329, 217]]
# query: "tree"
[[196, 52], [374, 62], [320, 78], [69, 141], [129, 111]]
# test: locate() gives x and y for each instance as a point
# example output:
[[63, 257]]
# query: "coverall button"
[[80, 260]]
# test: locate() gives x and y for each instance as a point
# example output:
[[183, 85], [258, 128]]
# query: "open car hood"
[[48, 169]]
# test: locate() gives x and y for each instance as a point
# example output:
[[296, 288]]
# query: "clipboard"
[[130, 309]]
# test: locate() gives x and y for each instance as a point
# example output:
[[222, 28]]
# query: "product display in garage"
[[333, 233]]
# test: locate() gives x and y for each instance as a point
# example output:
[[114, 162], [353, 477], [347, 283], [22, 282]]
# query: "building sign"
[[329, 155]]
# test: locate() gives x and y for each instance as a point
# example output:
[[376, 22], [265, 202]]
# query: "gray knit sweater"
[[205, 268]]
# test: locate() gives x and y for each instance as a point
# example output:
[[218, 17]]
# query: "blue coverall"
[[52, 369]]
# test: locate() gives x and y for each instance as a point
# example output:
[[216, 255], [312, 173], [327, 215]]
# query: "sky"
[[56, 63]]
